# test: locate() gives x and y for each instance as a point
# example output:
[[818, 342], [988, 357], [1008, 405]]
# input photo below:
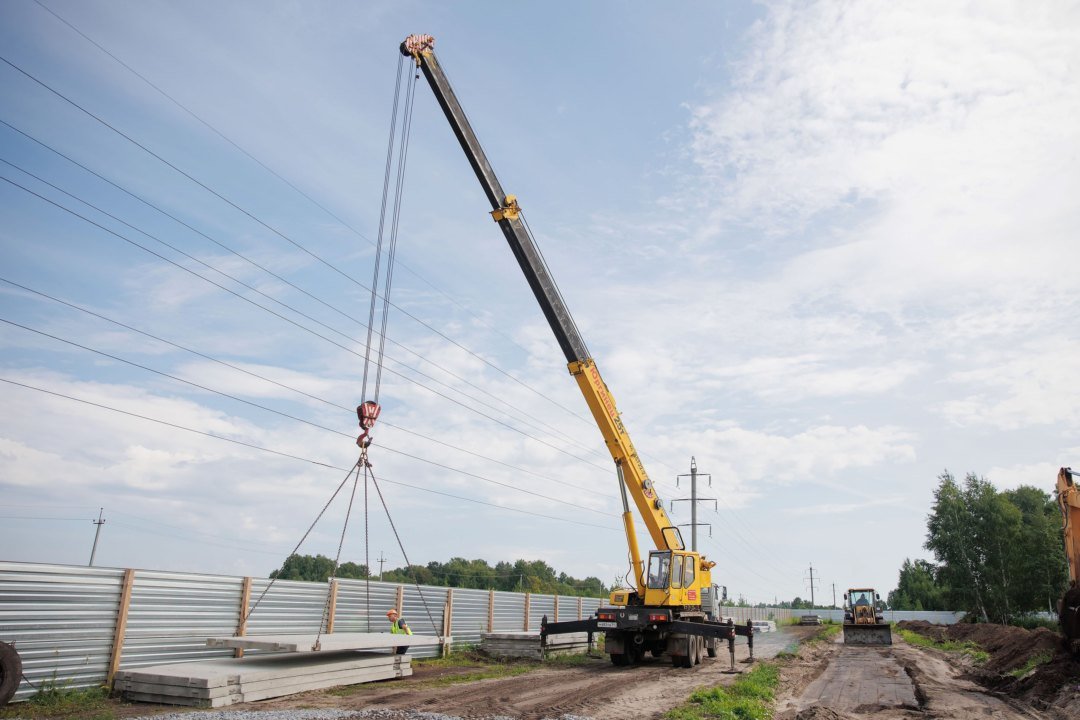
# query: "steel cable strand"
[[337, 559], [305, 537], [368, 471]]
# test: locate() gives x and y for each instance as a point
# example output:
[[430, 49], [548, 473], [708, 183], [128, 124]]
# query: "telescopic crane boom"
[[677, 578]]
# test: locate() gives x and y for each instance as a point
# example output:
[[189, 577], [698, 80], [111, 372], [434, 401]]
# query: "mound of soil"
[[1054, 684]]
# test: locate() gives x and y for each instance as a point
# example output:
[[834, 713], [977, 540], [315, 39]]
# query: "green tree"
[[918, 588], [997, 552]]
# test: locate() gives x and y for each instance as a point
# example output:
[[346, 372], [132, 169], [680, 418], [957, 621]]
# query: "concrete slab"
[[327, 643], [226, 681]]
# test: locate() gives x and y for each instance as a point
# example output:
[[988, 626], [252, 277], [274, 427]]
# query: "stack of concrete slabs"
[[528, 645], [226, 681]]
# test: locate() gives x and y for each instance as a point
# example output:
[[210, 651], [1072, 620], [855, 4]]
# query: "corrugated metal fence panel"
[[290, 607], [60, 619], [470, 616], [589, 606], [172, 614], [539, 606], [424, 608], [509, 612], [362, 607]]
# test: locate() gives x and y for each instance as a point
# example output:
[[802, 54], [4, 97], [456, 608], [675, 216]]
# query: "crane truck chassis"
[[665, 611]]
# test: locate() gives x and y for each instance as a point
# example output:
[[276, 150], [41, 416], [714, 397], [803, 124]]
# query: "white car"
[[763, 626]]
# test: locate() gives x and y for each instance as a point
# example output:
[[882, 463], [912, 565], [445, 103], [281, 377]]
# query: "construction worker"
[[398, 626]]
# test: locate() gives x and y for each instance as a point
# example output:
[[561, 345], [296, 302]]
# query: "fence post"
[[491, 611], [448, 621], [556, 608], [333, 606], [579, 608], [121, 625], [241, 627], [528, 602], [399, 601]]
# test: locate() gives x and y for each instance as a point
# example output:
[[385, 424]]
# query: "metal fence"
[[77, 626]]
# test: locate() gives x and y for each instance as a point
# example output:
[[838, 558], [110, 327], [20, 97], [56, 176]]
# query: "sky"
[[826, 249]]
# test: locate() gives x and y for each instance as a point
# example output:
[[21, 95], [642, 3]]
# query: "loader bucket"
[[869, 634]]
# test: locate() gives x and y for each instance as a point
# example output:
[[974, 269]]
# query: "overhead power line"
[[282, 454], [275, 231]]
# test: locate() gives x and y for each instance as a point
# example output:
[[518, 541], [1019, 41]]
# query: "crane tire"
[[10, 672]]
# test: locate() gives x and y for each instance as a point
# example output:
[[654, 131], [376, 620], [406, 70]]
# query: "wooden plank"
[[448, 620], [333, 606], [121, 625], [241, 627]]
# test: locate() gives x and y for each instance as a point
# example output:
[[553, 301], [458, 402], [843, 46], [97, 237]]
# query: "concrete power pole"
[[834, 594], [97, 533], [694, 500], [381, 561], [812, 603]]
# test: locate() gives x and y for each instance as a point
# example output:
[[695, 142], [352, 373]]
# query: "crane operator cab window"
[[659, 570]]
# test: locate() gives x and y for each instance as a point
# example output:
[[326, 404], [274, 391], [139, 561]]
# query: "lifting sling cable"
[[401, 547], [354, 468]]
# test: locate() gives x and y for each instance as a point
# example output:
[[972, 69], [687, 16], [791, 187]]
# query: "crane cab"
[[673, 578]]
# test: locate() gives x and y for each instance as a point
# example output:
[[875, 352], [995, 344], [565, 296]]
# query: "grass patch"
[[966, 647], [828, 632], [57, 700], [748, 698], [574, 659], [1032, 662]]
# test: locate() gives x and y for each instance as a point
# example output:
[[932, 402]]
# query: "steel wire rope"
[[302, 539], [382, 225], [368, 473], [420, 356], [289, 455], [284, 180], [294, 418], [292, 322], [272, 229], [399, 190], [300, 392]]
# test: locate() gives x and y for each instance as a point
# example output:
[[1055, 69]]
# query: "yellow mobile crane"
[[674, 607]]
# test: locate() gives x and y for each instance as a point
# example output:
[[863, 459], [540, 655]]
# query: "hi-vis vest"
[[400, 627]]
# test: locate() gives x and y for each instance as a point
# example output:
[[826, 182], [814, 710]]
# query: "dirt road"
[[595, 690], [831, 681]]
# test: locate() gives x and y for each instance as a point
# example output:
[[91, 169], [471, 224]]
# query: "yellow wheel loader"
[[863, 622]]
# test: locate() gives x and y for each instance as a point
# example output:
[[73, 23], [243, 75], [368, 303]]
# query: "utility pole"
[[97, 533], [694, 500], [811, 585], [381, 561], [834, 594]]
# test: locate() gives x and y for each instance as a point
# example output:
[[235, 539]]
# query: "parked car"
[[762, 626]]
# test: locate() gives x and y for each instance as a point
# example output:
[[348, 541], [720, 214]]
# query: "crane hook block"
[[368, 412]]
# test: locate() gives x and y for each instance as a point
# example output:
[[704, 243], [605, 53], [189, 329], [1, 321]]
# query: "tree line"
[[534, 576], [999, 555]]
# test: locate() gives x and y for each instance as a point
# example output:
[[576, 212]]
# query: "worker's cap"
[[391, 613]]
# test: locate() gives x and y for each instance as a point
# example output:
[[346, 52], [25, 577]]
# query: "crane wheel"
[[10, 672]]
